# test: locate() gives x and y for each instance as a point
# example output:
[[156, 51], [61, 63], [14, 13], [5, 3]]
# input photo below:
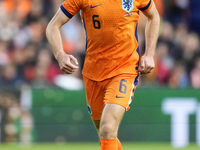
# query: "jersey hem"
[[66, 12], [102, 79]]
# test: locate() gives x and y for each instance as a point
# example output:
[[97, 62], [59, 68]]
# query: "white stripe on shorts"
[[130, 99]]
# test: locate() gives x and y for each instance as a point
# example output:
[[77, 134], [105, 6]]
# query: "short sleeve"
[[71, 7], [145, 5]]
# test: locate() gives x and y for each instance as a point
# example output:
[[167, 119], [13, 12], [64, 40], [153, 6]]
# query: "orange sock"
[[108, 144], [119, 144]]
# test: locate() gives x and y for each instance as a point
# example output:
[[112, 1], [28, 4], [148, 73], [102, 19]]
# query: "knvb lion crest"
[[127, 5]]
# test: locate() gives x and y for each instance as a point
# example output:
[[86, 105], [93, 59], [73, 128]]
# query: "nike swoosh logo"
[[120, 96], [94, 6]]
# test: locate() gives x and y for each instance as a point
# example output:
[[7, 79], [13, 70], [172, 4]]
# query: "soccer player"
[[112, 65]]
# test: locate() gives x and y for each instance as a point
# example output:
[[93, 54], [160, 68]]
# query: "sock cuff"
[[119, 144], [108, 141]]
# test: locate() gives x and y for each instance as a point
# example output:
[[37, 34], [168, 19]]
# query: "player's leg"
[[109, 124], [97, 124], [94, 98], [110, 120], [95, 94], [118, 96]]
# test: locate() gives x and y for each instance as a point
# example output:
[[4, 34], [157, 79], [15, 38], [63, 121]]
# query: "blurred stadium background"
[[40, 105]]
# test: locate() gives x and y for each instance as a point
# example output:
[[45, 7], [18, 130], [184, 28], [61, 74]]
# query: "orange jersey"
[[111, 30]]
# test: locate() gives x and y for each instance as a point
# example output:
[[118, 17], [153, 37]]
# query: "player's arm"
[[68, 64], [151, 35]]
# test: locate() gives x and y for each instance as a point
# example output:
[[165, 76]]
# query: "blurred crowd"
[[16, 123], [26, 58]]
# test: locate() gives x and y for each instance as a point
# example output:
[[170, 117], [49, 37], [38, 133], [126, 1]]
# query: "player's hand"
[[67, 63], [146, 64]]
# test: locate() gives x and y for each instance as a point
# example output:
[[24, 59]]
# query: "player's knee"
[[107, 130]]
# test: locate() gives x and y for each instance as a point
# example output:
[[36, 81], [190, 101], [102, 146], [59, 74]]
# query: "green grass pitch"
[[94, 146]]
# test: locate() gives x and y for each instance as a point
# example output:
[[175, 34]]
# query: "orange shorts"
[[118, 90]]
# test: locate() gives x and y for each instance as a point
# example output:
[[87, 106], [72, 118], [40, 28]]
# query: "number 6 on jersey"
[[122, 86], [96, 23]]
